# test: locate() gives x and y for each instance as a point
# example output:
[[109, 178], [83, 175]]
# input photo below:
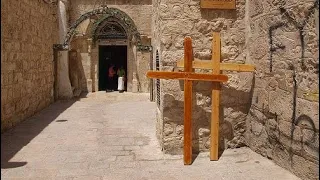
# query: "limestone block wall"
[[144, 59], [28, 32], [155, 42], [84, 64], [176, 20], [143, 63], [80, 65], [283, 122]]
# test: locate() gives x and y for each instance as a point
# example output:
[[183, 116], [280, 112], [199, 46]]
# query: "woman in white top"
[[121, 75]]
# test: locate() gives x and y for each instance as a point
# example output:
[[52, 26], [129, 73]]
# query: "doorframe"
[[114, 42]]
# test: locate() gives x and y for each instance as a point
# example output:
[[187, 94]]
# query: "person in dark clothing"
[[111, 78]]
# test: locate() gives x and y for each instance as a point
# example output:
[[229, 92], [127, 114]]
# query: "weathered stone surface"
[[304, 168], [139, 11], [282, 90], [174, 22], [27, 37], [64, 85], [168, 129], [143, 65], [285, 105], [138, 62], [273, 110]]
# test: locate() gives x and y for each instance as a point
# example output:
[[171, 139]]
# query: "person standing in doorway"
[[121, 78], [111, 75]]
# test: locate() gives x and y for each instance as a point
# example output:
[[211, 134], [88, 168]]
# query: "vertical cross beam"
[[215, 98], [188, 56]]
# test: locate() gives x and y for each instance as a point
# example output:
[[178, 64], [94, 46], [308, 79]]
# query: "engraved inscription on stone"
[[218, 4]]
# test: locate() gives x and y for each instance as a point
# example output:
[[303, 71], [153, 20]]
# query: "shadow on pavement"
[[13, 140]]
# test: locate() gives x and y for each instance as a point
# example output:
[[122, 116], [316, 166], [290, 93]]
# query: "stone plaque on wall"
[[218, 4]]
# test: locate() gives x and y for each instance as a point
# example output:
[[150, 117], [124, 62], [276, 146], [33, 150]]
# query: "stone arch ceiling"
[[102, 14]]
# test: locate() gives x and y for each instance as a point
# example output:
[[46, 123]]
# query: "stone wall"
[[283, 122], [155, 42], [274, 110], [176, 20], [138, 61], [28, 32], [143, 65], [80, 65]]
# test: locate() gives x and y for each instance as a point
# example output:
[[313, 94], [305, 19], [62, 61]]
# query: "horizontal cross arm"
[[187, 76], [206, 64]]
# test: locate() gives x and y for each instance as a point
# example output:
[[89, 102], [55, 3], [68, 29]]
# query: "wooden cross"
[[188, 76]]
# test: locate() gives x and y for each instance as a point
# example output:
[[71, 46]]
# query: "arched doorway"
[[98, 35], [101, 38], [112, 42]]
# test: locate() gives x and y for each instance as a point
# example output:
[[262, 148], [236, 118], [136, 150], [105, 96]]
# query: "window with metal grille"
[[158, 80]]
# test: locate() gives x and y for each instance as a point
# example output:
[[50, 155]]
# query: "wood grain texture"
[[187, 76], [207, 64], [189, 64], [218, 4], [187, 148], [214, 141]]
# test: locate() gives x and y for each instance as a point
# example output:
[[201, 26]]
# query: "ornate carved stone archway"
[[102, 14], [99, 28]]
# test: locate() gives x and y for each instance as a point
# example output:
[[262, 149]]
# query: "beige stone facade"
[[173, 21], [274, 110], [283, 121], [86, 78], [27, 67]]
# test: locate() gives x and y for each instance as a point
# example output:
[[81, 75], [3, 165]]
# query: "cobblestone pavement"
[[112, 136]]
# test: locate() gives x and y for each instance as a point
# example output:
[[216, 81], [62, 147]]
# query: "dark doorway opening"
[[108, 55]]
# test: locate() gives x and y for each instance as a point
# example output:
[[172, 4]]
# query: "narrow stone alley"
[[112, 136]]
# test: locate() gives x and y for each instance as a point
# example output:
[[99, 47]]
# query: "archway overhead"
[[125, 22], [102, 15]]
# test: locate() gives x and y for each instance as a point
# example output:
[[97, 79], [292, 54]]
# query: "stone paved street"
[[112, 136]]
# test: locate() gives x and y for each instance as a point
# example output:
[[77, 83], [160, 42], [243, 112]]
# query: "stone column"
[[134, 73], [64, 85], [94, 59], [62, 15], [90, 81], [134, 82]]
